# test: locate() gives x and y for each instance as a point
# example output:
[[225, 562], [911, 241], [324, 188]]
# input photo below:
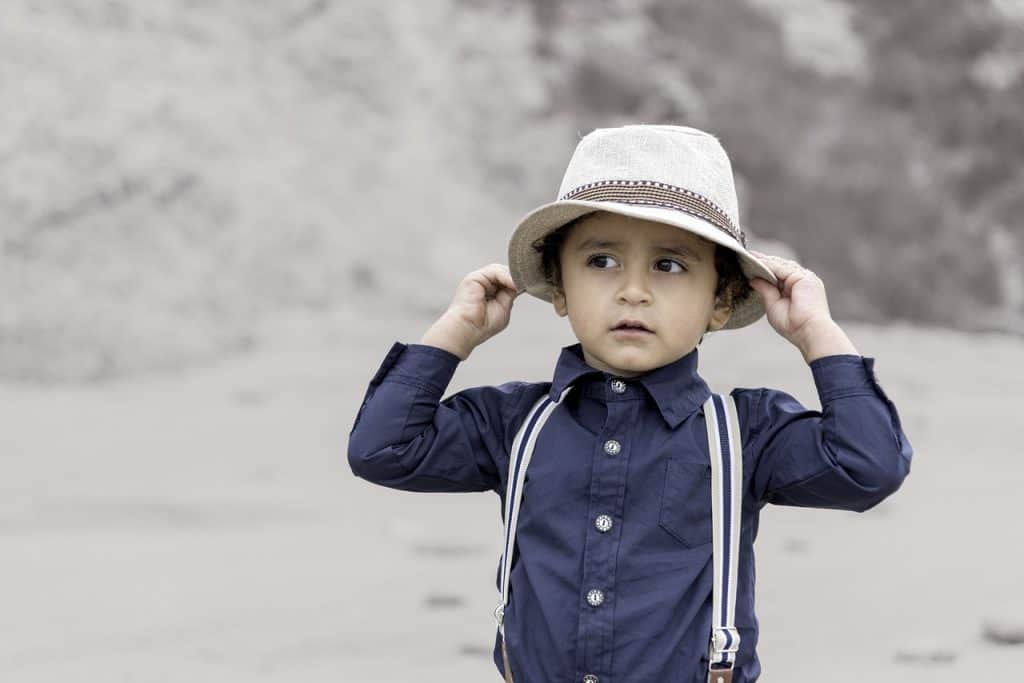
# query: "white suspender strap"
[[726, 515], [519, 460]]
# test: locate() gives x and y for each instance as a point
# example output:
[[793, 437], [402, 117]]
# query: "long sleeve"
[[850, 456], [405, 437]]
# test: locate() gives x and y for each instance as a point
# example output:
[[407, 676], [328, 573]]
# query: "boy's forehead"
[[606, 227]]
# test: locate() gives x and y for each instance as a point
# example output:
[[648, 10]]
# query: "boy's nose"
[[635, 289]]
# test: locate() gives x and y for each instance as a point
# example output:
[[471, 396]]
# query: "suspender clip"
[[719, 640], [720, 675]]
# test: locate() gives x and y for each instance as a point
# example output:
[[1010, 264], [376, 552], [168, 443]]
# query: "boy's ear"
[[720, 315], [558, 301]]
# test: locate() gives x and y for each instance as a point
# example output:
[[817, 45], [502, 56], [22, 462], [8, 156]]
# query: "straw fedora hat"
[[676, 175]]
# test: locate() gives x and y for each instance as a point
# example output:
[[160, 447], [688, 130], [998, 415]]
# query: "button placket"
[[606, 499]]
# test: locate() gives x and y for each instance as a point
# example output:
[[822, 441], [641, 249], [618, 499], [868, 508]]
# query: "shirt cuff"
[[419, 365], [844, 374]]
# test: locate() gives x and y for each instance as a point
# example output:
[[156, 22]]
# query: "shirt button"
[[618, 386], [590, 678], [612, 447], [595, 597], [603, 523]]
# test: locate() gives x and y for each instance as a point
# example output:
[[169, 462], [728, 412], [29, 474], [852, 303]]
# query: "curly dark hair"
[[732, 283]]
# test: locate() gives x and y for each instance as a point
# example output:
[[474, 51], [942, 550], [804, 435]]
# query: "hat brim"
[[525, 262]]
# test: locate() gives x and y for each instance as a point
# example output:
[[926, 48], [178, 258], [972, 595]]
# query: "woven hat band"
[[653, 193]]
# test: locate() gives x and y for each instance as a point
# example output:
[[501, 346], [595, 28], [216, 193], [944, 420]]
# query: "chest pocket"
[[686, 502]]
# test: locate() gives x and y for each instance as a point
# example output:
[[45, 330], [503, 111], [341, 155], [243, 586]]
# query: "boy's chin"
[[622, 361]]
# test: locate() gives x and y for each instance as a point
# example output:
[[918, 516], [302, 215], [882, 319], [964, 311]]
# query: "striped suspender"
[[519, 460], [522, 451], [726, 484], [726, 499]]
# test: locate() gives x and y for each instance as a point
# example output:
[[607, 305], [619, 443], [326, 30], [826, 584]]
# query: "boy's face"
[[638, 278]]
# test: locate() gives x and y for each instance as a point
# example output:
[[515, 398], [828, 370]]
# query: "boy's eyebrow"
[[593, 243]]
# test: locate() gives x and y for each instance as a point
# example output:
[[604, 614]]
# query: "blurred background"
[[216, 217]]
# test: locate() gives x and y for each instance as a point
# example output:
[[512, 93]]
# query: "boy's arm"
[[405, 437], [851, 455]]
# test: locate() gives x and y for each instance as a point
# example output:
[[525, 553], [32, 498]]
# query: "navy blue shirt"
[[654, 564]]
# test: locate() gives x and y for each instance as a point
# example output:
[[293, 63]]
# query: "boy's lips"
[[631, 328], [630, 333], [631, 324]]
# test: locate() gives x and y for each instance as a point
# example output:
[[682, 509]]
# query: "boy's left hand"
[[798, 305]]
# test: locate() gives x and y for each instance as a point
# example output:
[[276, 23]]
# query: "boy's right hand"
[[480, 309]]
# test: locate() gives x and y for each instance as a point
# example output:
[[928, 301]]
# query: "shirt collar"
[[676, 388]]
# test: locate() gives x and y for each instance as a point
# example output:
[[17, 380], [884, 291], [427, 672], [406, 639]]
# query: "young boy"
[[612, 565]]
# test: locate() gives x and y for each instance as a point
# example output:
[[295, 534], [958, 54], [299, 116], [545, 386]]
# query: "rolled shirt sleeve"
[[850, 456], [405, 437]]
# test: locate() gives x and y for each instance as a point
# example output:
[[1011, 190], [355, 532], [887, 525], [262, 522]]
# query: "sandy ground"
[[205, 526]]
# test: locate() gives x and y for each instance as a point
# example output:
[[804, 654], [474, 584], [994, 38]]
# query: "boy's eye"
[[603, 261], [670, 261], [599, 257]]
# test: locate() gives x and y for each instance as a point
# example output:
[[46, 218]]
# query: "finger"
[[794, 277], [509, 282], [486, 281], [787, 272], [782, 268], [496, 274], [488, 287], [499, 275], [504, 298], [504, 277]]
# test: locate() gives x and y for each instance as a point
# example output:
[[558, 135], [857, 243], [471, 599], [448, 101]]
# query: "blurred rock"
[[795, 546], [363, 277], [925, 652], [474, 650], [446, 549], [438, 601], [1003, 632]]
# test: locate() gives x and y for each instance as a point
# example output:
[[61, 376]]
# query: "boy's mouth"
[[632, 325]]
